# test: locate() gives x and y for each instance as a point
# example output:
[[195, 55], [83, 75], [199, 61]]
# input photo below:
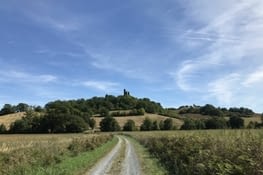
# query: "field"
[[52, 154], [206, 152], [8, 119], [139, 119]]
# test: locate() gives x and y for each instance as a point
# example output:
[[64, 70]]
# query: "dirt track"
[[129, 166]]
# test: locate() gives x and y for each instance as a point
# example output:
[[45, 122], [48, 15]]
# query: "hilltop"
[[81, 114]]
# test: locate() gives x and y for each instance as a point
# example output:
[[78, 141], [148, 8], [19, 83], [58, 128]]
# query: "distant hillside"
[[139, 120], [10, 118]]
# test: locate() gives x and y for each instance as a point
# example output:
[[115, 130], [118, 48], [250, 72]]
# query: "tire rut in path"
[[130, 165], [104, 165]]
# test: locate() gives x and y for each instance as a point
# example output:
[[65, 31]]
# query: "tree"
[[146, 125], [200, 124], [2, 129], [76, 124], [188, 125], [22, 107], [92, 123], [7, 109], [168, 124], [216, 123], [109, 124], [210, 110], [104, 112], [236, 122], [129, 126], [161, 125], [155, 125], [38, 109], [20, 126]]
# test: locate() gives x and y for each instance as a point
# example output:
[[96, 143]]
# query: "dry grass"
[[18, 141], [139, 120], [10, 118], [256, 118]]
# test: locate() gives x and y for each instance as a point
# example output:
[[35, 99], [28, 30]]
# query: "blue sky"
[[174, 52]]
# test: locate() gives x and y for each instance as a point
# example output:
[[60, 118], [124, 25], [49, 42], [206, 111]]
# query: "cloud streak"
[[105, 86], [14, 76]]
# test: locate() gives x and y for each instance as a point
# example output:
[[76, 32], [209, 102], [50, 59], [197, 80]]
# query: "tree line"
[[77, 115], [111, 124], [210, 110]]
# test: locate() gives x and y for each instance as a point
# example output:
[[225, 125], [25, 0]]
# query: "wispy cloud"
[[224, 89], [49, 15], [14, 76], [105, 86], [227, 64], [254, 78]]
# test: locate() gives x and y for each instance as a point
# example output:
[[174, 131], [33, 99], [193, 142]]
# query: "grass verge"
[[149, 164]]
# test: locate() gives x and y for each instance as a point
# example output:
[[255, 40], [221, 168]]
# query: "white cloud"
[[14, 76], [102, 85], [254, 78], [227, 65], [225, 88]]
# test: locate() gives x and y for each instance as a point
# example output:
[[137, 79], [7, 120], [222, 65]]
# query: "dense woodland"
[[77, 115]]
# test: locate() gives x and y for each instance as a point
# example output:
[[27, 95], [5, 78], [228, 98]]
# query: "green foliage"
[[202, 153], [236, 122], [108, 124], [155, 125], [168, 124], [79, 145], [210, 110], [3, 129], [129, 126], [7, 109], [147, 125], [241, 112], [133, 112], [189, 124], [92, 123], [22, 107], [104, 112], [216, 123]]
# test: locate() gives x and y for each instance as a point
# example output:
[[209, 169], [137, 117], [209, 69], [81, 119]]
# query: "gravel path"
[[130, 164], [104, 165]]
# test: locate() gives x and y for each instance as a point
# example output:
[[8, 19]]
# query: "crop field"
[[206, 152], [48, 153]]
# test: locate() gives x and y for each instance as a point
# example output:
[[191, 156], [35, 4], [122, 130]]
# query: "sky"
[[174, 52]]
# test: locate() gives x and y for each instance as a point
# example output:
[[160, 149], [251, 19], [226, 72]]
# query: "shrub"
[[109, 124], [129, 126], [146, 125]]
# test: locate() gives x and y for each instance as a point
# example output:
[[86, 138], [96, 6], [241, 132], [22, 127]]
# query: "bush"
[[146, 125], [129, 126], [2, 129], [216, 123], [109, 124], [155, 125], [236, 122], [188, 124], [168, 124]]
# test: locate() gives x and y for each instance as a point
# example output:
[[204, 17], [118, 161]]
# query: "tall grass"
[[24, 158], [227, 152]]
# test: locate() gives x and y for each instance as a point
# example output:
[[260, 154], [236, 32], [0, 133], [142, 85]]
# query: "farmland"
[[206, 152], [52, 154]]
